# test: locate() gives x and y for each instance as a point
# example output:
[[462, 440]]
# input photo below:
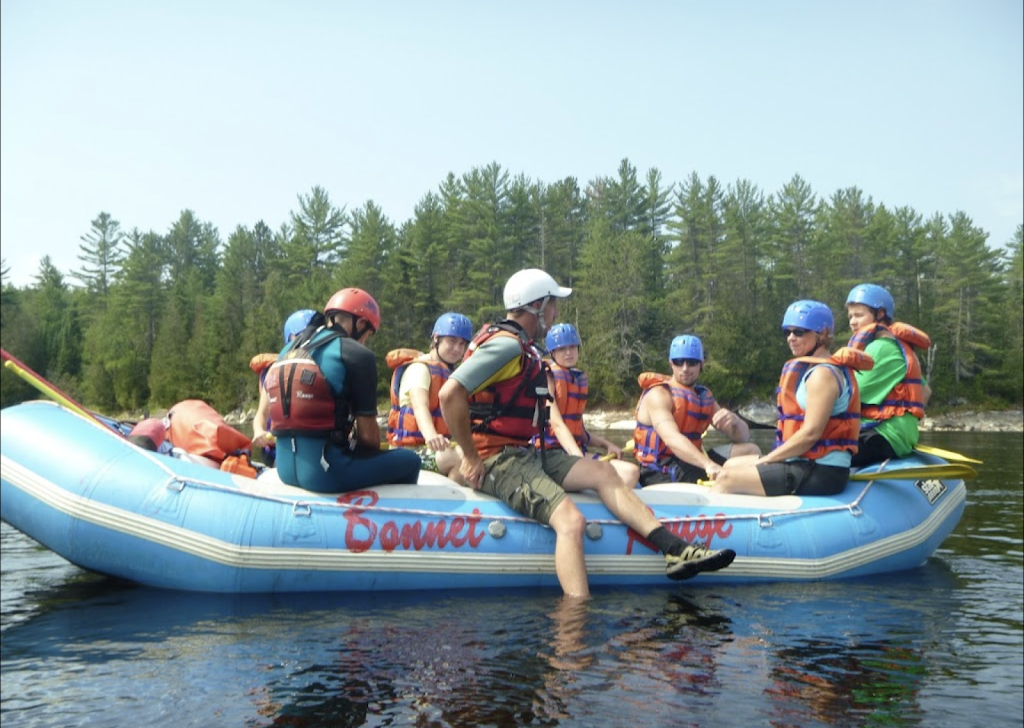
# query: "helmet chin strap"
[[539, 313], [437, 350]]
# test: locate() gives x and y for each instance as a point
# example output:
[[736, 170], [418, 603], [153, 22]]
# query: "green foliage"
[[160, 318]]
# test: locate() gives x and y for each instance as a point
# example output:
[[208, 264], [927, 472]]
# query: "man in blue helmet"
[[893, 394], [672, 416], [415, 419]]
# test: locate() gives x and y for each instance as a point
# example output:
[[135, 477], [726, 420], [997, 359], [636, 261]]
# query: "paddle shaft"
[[37, 381]]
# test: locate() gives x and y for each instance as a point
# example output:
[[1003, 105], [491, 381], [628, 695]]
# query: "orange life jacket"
[[692, 408], [908, 395], [843, 429], [402, 428], [572, 388], [198, 428], [261, 363], [508, 412]]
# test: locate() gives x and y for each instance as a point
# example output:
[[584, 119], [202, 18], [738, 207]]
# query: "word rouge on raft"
[[361, 532]]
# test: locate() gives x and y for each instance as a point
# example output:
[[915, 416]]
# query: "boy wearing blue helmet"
[[415, 419], [819, 415], [570, 388], [893, 394], [294, 325], [672, 416]]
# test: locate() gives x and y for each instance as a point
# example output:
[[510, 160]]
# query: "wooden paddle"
[[37, 381]]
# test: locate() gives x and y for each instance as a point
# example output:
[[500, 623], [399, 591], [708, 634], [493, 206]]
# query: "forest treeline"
[[144, 319]]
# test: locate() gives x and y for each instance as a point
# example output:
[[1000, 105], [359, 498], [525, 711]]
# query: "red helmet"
[[357, 302]]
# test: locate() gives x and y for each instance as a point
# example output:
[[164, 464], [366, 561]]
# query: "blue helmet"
[[686, 347], [453, 324], [295, 323], [561, 336], [871, 296], [813, 315]]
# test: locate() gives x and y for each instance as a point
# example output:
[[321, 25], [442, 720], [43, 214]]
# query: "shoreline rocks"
[[965, 421]]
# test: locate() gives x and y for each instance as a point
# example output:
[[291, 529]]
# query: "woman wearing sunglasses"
[[819, 414]]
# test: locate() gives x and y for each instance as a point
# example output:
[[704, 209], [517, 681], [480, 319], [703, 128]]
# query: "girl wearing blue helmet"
[[570, 388], [414, 420], [819, 415]]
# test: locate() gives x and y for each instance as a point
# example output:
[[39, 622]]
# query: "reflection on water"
[[938, 645]]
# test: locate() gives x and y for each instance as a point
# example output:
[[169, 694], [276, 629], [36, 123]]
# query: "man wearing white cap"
[[496, 401]]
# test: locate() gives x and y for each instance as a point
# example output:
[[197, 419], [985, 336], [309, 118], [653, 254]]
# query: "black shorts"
[[872, 448], [677, 471], [802, 477]]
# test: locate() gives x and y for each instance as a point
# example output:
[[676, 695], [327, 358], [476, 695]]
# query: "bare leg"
[[570, 566], [737, 477], [621, 500], [448, 460], [628, 472], [741, 449]]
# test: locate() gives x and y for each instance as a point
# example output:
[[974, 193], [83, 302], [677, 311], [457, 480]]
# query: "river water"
[[940, 645]]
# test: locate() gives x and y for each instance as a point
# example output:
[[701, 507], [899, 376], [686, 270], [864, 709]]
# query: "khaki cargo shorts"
[[517, 476]]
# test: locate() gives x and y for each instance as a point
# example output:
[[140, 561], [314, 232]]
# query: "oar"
[[947, 455], [37, 381], [923, 472]]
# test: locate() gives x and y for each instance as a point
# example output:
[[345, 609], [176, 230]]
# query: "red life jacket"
[[692, 408], [572, 388], [403, 431], [301, 399], [508, 412], [908, 395], [843, 429]]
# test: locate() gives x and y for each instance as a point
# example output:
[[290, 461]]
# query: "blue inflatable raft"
[[104, 504]]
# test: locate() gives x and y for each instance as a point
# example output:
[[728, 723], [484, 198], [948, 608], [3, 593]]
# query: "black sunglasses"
[[796, 332], [687, 362]]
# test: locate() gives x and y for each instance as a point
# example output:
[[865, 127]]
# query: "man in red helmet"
[[323, 404]]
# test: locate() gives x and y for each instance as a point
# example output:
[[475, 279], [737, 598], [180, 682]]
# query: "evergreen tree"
[[967, 285], [119, 343], [479, 231], [101, 255], [562, 229], [317, 245], [612, 305], [1009, 383]]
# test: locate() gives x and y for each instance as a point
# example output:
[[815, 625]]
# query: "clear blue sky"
[[144, 108]]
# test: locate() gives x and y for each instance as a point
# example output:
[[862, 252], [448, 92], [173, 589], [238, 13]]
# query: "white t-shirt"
[[416, 376]]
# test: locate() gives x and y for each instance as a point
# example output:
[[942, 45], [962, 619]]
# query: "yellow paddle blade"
[[953, 457], [923, 472]]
